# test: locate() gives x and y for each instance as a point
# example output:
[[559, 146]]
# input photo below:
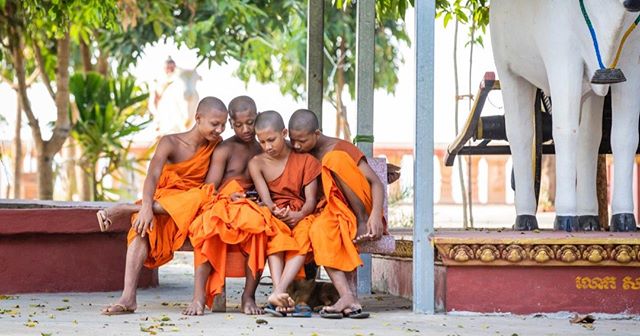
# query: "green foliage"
[[473, 12], [279, 55], [385, 9], [109, 112]]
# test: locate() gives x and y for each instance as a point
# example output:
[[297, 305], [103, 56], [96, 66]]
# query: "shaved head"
[[303, 120], [241, 104], [269, 120], [210, 104]]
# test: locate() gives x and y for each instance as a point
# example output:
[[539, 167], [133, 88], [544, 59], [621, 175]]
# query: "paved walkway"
[[159, 313]]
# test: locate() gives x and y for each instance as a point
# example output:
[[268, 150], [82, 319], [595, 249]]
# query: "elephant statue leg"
[[565, 79], [518, 96], [589, 137], [625, 106]]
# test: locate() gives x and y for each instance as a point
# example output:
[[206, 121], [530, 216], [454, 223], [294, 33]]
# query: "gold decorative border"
[[498, 254]]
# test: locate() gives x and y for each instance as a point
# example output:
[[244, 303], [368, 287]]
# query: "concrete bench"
[[48, 246]]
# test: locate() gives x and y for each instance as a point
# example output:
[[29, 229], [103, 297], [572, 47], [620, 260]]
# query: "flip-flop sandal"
[[272, 310], [125, 310], [301, 311], [356, 314], [331, 315], [103, 221], [265, 283]]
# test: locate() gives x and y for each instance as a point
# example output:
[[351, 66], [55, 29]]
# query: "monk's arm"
[[260, 183], [310, 198], [377, 195], [292, 218], [145, 215], [217, 166]]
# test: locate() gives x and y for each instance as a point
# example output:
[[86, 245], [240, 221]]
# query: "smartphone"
[[251, 194]]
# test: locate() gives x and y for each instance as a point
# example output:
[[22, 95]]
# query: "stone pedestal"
[[528, 272]]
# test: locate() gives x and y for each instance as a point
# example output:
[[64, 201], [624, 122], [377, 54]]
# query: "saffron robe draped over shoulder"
[[288, 190], [178, 192], [230, 234], [335, 227]]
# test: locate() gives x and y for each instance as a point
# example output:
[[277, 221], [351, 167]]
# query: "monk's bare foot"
[[348, 302], [283, 302], [121, 307], [196, 308], [106, 216], [249, 306], [363, 233]]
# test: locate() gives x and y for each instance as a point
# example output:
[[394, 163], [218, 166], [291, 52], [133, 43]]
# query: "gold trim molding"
[[539, 254]]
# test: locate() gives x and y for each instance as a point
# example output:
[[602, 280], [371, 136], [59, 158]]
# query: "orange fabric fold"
[[231, 234], [288, 190], [179, 194], [335, 227]]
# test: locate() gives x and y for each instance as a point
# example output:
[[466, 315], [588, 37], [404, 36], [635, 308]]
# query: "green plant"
[[110, 111]]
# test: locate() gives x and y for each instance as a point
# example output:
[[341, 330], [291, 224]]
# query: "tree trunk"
[[470, 98], [465, 220], [342, 124], [19, 155], [70, 167], [46, 149], [103, 63], [85, 53]]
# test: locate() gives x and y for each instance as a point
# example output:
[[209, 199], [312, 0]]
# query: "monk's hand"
[[237, 196], [279, 212], [292, 218], [375, 227], [144, 222]]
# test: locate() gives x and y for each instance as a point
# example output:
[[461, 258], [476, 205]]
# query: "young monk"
[[287, 184], [353, 213], [160, 221], [228, 221]]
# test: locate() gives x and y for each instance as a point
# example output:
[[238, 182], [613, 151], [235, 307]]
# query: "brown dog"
[[315, 294]]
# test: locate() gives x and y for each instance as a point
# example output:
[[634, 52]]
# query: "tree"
[[108, 112], [475, 13], [42, 31], [280, 56]]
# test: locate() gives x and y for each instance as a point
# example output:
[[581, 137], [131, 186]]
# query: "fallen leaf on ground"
[[63, 308], [587, 319], [262, 321], [31, 323]]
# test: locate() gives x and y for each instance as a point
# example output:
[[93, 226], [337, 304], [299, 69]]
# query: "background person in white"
[[173, 99]]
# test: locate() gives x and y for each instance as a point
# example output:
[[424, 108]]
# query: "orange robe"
[[179, 194], [230, 234], [335, 227], [288, 190]]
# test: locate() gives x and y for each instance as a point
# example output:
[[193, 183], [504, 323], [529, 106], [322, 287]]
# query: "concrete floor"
[[159, 313]]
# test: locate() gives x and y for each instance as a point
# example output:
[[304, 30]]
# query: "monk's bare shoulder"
[[225, 148], [166, 145]]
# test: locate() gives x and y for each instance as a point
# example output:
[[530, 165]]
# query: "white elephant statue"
[[546, 44]]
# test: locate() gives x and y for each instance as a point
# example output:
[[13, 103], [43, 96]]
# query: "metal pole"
[[365, 29], [315, 56], [423, 267]]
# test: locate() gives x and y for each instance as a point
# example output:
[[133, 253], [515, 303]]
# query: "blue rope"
[[593, 34]]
